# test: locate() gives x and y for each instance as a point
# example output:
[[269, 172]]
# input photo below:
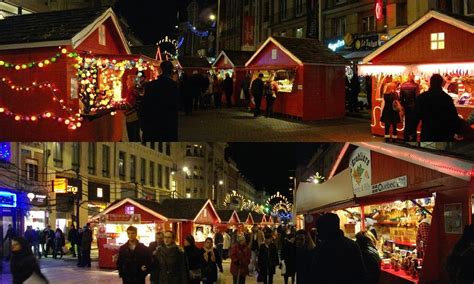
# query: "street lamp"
[[221, 182], [212, 17]]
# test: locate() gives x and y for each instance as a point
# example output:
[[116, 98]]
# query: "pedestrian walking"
[[333, 251], [24, 265], [354, 94], [461, 260], [212, 262], [194, 260], [437, 113], [217, 91], [288, 258], [86, 246], [59, 243], [28, 234], [72, 238], [246, 89], [409, 91], [170, 264], [240, 260], [270, 91], [158, 242], [390, 111], [49, 239], [10, 234], [226, 244], [36, 242], [134, 259], [79, 246], [228, 87], [267, 260], [304, 246], [219, 241], [257, 92], [257, 238], [42, 240], [159, 110], [367, 244]]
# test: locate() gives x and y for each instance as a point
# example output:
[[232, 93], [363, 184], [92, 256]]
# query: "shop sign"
[[361, 173], [453, 218], [379, 10], [60, 185], [336, 45], [7, 199], [366, 42], [396, 183], [121, 218]]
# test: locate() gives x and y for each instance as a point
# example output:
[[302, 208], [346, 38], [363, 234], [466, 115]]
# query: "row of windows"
[[144, 178], [161, 147], [58, 149]]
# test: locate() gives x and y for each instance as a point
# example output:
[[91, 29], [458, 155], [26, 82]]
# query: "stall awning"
[[357, 54], [334, 192]]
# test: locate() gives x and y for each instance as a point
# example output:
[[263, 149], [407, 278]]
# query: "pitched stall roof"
[[67, 27], [185, 209], [193, 62], [152, 207], [462, 22], [257, 218], [226, 215], [304, 51], [243, 216], [236, 57]]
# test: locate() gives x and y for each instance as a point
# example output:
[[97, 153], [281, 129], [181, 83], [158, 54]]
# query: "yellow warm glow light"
[[379, 69]]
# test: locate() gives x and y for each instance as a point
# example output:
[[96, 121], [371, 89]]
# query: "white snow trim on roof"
[[134, 203], [271, 39]]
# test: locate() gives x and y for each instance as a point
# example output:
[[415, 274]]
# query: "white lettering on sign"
[[396, 183], [361, 172], [338, 44]]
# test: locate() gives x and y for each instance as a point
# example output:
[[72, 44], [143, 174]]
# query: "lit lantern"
[[24, 66], [48, 114], [40, 65], [63, 51], [17, 67], [17, 117], [46, 62], [2, 63], [34, 118], [2, 110]]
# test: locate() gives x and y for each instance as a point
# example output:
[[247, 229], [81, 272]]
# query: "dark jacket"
[[267, 260], [228, 85], [218, 238], [86, 239], [303, 263], [240, 257], [130, 262], [335, 253], [209, 270], [29, 236], [72, 236], [10, 234], [372, 262], [170, 266], [408, 92], [194, 257], [388, 114], [23, 264], [159, 110], [439, 118], [288, 254], [257, 88]]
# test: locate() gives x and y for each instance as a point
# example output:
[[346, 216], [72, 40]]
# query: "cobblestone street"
[[65, 271], [237, 125]]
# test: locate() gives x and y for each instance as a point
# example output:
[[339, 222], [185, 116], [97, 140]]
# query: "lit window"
[[437, 41], [274, 54], [129, 210], [188, 195], [100, 192], [299, 32]]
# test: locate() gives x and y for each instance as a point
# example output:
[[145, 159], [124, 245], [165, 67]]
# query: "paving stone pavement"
[[65, 271], [239, 125]]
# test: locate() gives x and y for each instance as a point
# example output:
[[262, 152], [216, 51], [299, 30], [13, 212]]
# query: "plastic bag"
[[283, 267]]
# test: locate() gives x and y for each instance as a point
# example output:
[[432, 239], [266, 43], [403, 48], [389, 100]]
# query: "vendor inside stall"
[[284, 77]]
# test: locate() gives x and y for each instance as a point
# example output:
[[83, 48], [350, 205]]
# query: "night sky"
[[269, 165]]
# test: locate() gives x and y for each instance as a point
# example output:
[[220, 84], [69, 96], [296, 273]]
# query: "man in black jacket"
[[72, 238], [408, 94], [228, 87], [159, 109], [134, 259], [257, 92], [334, 251], [435, 109]]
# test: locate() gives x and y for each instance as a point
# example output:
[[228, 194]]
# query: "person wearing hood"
[[170, 262], [134, 259], [194, 259], [24, 265], [333, 251]]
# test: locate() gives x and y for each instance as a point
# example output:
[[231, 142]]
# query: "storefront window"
[[437, 41], [105, 161], [58, 154], [284, 78], [121, 165], [92, 158]]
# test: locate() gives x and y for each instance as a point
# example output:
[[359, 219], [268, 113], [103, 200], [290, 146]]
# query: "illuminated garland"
[[5, 151], [234, 196], [72, 122], [40, 63], [278, 202], [196, 31]]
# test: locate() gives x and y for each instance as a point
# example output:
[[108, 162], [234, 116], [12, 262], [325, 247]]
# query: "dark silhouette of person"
[[159, 109], [228, 87], [408, 93], [257, 92]]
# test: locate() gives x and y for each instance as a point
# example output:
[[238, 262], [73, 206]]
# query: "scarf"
[[206, 254]]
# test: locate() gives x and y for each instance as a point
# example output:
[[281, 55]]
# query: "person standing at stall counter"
[[257, 92], [134, 259], [271, 90], [408, 93]]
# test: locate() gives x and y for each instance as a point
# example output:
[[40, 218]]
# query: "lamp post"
[[217, 25]]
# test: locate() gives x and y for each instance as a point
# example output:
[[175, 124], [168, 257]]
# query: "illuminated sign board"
[[60, 185], [379, 10], [7, 199], [5, 152], [338, 44]]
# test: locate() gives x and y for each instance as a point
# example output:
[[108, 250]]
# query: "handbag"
[[195, 274], [396, 106]]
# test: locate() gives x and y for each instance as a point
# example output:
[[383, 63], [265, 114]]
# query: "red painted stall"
[[233, 62], [115, 219], [391, 198], [309, 75], [229, 219], [438, 43]]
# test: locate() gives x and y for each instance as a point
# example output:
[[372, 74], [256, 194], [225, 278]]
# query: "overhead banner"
[[248, 37], [121, 219], [361, 172], [396, 183]]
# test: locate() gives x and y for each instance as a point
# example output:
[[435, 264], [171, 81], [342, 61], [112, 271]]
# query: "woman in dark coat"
[[288, 254], [370, 256], [23, 263], [390, 117], [267, 260], [212, 261], [169, 262], [194, 259]]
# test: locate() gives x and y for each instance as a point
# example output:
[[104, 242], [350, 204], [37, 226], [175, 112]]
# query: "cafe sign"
[[361, 172], [121, 219], [7, 199], [396, 183]]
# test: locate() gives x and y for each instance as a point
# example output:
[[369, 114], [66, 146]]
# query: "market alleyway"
[[237, 125], [65, 271]]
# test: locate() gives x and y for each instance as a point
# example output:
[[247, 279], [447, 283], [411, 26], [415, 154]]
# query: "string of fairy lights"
[[275, 205], [99, 86]]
